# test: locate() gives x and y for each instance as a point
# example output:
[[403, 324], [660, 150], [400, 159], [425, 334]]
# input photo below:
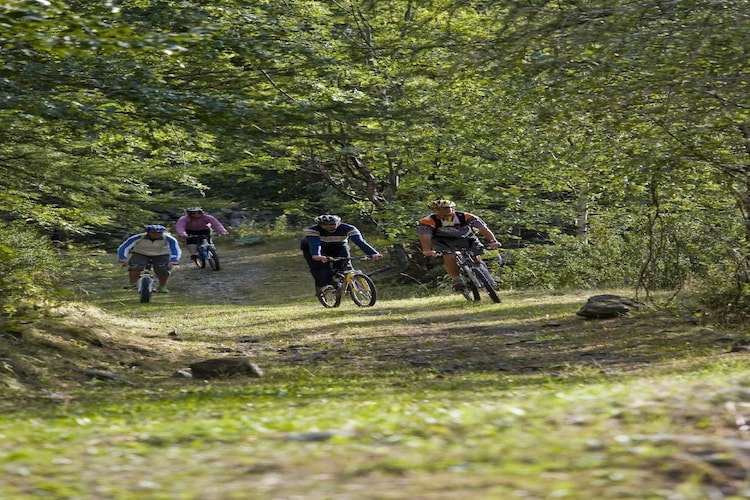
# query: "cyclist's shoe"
[[458, 284], [131, 286], [327, 289], [162, 289], [194, 257]]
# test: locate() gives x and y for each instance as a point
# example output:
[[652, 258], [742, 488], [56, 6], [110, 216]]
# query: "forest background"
[[614, 132]]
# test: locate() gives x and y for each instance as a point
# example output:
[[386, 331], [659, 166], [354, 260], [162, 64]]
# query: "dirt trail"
[[238, 273]]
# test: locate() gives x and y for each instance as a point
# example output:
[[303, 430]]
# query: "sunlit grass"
[[429, 397]]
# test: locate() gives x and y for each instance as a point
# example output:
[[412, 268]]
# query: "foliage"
[[723, 292], [539, 116], [30, 267], [668, 254], [568, 263]]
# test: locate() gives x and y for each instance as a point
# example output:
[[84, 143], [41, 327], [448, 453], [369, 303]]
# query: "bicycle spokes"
[[330, 297]]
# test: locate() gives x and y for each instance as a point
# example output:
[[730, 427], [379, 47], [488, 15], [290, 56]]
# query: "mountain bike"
[[146, 285], [475, 274], [349, 281], [207, 253]]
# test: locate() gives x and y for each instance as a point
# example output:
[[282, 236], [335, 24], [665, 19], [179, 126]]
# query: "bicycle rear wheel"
[[330, 298], [482, 275], [213, 259], [146, 288], [362, 289]]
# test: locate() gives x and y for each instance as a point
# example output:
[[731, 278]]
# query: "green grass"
[[422, 398]]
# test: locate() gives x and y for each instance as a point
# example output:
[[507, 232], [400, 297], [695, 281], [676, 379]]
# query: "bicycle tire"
[[146, 288], [362, 290], [471, 292], [487, 283], [200, 261], [213, 259], [330, 299], [492, 280]]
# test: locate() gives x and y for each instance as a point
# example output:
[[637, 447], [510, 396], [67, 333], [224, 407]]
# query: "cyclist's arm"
[[366, 247], [314, 243], [491, 240], [174, 250], [426, 241], [124, 250], [216, 225], [482, 227], [179, 228], [425, 230]]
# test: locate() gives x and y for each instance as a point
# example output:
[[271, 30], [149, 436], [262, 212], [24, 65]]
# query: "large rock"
[[608, 306], [225, 367]]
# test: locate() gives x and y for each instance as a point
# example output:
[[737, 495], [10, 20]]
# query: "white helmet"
[[327, 219]]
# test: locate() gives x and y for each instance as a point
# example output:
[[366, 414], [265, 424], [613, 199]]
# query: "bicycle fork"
[[470, 270], [341, 281]]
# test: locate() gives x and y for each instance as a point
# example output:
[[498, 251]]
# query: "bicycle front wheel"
[[482, 275], [213, 259], [471, 292], [146, 288], [330, 298], [362, 289], [200, 261]]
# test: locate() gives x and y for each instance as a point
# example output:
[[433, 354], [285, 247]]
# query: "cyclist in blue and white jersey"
[[154, 245], [330, 237]]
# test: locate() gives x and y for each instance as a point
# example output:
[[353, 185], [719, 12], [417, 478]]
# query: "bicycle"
[[475, 274], [146, 285], [349, 281], [207, 253]]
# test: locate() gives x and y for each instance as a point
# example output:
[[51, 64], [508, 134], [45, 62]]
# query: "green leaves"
[[532, 115]]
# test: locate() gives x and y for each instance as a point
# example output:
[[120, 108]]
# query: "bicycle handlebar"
[[333, 259], [440, 253]]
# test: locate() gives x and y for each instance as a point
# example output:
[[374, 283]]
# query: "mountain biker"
[[330, 237], [154, 245], [448, 230], [195, 225]]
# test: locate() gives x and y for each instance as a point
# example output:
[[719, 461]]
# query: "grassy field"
[[425, 397]]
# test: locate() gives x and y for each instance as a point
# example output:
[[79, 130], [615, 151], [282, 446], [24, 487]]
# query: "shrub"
[[30, 267], [570, 263]]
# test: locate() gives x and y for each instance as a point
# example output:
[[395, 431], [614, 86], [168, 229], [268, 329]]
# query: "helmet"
[[155, 228], [327, 219], [194, 210], [441, 204]]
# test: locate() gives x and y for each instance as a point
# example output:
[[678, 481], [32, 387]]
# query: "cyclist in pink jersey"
[[195, 225]]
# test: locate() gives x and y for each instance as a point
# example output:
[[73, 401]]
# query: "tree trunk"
[[582, 219]]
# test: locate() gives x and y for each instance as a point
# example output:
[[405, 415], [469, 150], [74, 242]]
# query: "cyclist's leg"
[[320, 271], [136, 263], [192, 242], [339, 265], [161, 269], [449, 259], [194, 239]]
